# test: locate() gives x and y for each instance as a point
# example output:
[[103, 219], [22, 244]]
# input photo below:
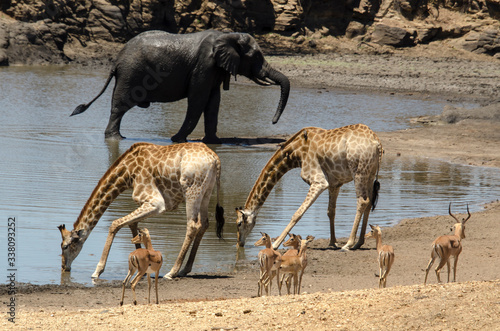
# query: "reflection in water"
[[51, 163]]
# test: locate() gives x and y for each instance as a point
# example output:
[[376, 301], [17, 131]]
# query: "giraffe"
[[161, 178], [328, 159]]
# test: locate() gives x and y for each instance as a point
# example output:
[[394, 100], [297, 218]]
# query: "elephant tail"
[[83, 107]]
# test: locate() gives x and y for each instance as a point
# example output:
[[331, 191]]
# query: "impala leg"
[[289, 283], [156, 284], [277, 280], [455, 268], [448, 266], [429, 265], [438, 269], [262, 278], [300, 281], [380, 274], [134, 284], [125, 281], [295, 283], [269, 283], [149, 288]]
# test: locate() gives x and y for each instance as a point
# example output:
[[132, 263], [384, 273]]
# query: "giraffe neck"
[[285, 159], [115, 181]]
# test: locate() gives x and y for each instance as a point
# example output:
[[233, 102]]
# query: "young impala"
[[269, 262], [143, 260], [294, 265], [294, 243], [385, 255], [447, 246]]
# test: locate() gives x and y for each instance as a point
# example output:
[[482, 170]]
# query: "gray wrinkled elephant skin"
[[157, 66]]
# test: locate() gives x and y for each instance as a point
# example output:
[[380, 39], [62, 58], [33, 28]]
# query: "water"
[[51, 162]]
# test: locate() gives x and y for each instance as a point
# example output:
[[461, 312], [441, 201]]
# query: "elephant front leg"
[[211, 116], [193, 114]]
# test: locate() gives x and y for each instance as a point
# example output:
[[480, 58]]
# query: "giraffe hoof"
[[169, 276], [345, 248], [183, 273], [357, 246]]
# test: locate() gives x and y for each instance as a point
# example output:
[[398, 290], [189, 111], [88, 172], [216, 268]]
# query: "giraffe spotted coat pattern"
[[328, 159], [161, 177]]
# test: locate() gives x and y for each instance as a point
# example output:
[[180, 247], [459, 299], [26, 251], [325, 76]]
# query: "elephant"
[[157, 66]]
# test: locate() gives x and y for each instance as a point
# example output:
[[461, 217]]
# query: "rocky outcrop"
[[484, 42], [393, 36], [62, 30]]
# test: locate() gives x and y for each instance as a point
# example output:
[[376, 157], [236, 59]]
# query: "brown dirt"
[[341, 286]]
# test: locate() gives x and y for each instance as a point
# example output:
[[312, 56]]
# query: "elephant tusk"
[[270, 82], [262, 82]]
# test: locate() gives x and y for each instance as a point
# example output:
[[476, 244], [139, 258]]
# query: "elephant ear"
[[226, 51]]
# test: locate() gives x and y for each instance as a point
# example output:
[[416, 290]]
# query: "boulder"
[[485, 42], [392, 36], [427, 34], [355, 29], [4, 58]]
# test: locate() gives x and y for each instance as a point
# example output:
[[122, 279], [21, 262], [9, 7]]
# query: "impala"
[[144, 261], [385, 255], [447, 246], [269, 262], [294, 265]]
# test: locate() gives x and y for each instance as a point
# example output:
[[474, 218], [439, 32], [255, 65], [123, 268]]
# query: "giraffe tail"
[[376, 183], [219, 211], [376, 188], [219, 218]]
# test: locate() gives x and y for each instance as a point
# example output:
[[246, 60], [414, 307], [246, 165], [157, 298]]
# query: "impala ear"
[[227, 52]]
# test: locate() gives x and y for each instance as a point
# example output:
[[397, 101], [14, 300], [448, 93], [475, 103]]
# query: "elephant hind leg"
[[113, 129]]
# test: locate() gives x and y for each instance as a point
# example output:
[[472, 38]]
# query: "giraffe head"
[[245, 223], [72, 243]]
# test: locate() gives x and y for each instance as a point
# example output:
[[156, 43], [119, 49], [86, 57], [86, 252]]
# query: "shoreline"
[[341, 287]]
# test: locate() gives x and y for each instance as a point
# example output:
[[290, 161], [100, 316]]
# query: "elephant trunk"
[[284, 83]]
